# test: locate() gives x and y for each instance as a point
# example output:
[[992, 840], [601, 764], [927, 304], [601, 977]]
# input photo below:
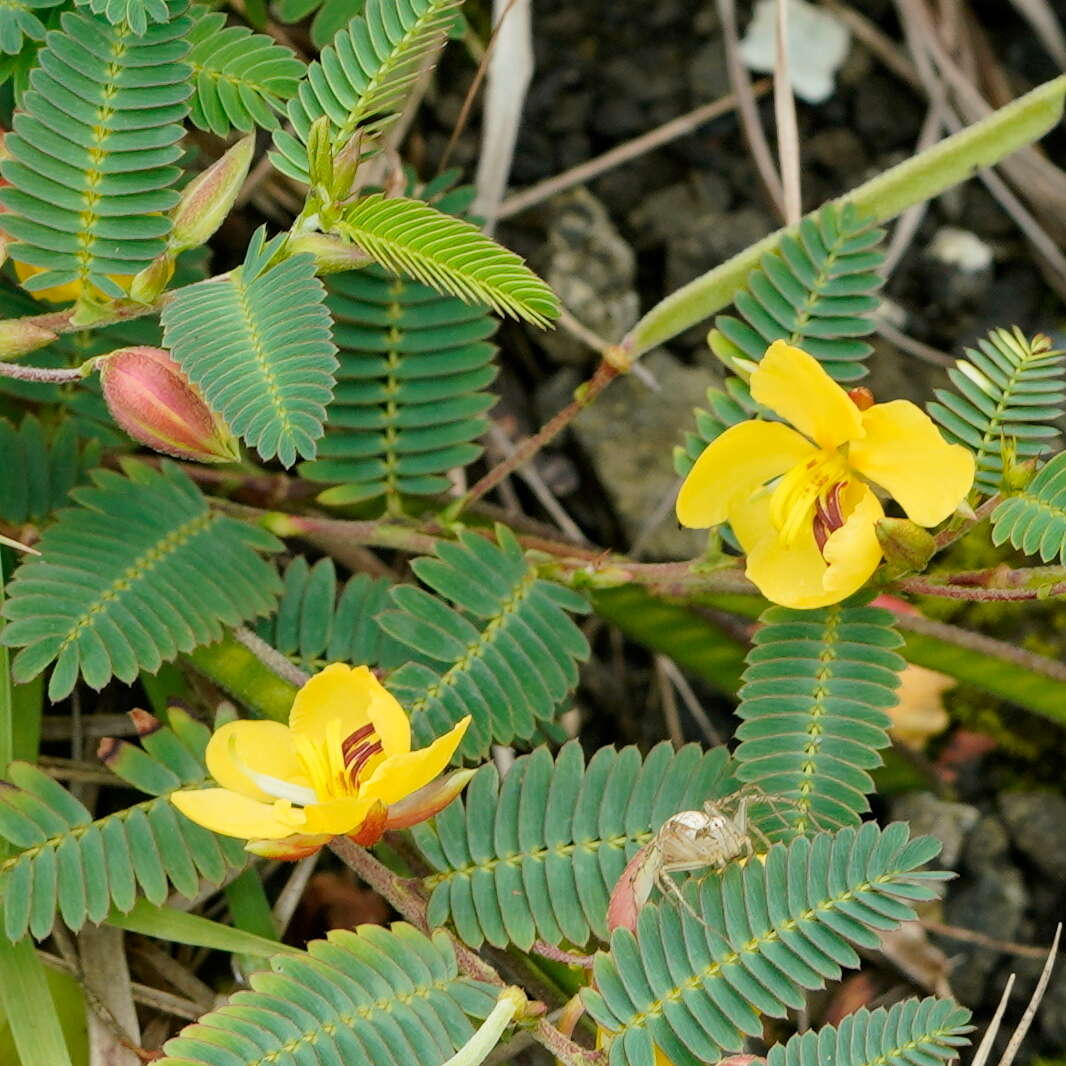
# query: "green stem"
[[918, 179]]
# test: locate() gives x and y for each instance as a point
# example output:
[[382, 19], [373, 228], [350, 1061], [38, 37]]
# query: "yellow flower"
[[799, 502], [343, 766]]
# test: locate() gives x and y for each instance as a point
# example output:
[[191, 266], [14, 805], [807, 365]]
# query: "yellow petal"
[[338, 693], [796, 575], [389, 719], [793, 385], [788, 575], [263, 747], [403, 774], [234, 815], [733, 466], [853, 551], [339, 816], [905, 454]]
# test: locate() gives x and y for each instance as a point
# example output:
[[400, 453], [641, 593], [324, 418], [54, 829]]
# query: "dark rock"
[[629, 435], [840, 151], [992, 903], [591, 267], [987, 846], [708, 78], [711, 240], [948, 822], [1037, 825]]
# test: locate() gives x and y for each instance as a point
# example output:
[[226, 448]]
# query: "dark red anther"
[[828, 515], [359, 759], [821, 532], [833, 510], [351, 745]]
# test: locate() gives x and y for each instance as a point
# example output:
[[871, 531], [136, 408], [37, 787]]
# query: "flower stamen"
[[828, 515]]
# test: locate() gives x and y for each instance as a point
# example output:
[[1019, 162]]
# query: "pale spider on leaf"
[[689, 840]]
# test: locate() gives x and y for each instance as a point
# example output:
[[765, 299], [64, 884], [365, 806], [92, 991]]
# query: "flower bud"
[[18, 337], [150, 397], [147, 285], [207, 199], [907, 546], [332, 254]]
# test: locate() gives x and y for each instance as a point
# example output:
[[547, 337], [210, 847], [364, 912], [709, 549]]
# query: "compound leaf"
[[139, 571]]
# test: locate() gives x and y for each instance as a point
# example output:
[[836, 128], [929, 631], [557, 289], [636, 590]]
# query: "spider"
[[689, 840]]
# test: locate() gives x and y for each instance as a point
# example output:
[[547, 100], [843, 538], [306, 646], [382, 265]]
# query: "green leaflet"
[[506, 654], [817, 290], [68, 864], [242, 78], [93, 148], [18, 21], [136, 14], [412, 389], [314, 625], [536, 858], [813, 702], [411, 237], [257, 343], [1034, 520], [1008, 392], [413, 384], [138, 571], [767, 932], [362, 78], [918, 1032], [39, 467], [374, 997]]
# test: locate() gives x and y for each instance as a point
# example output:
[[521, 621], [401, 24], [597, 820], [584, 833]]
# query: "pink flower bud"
[[150, 397]]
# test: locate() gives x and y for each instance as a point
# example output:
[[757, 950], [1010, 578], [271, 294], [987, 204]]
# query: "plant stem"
[[954, 532], [59, 375], [270, 657], [408, 900], [605, 373]]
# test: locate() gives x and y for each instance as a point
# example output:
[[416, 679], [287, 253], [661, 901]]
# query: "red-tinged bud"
[[150, 397], [332, 254], [208, 198], [429, 800], [288, 849], [907, 546], [17, 337], [632, 890]]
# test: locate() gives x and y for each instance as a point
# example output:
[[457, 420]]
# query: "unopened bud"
[[18, 337], [345, 166], [207, 199], [332, 254], [907, 546], [148, 285], [1016, 475], [150, 397]]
